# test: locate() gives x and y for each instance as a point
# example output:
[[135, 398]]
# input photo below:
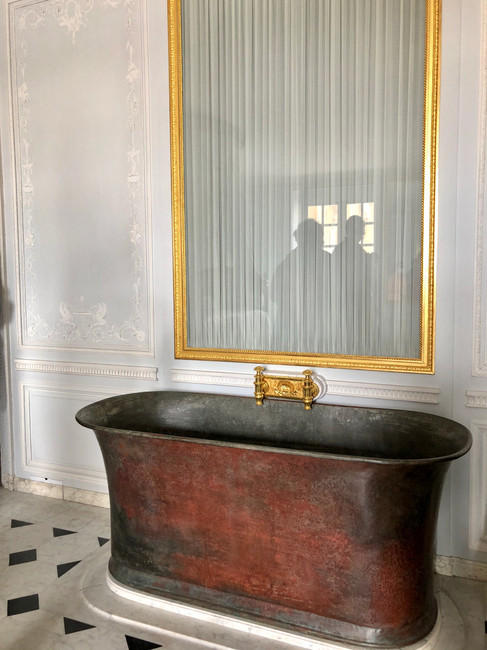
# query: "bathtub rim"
[[83, 418]]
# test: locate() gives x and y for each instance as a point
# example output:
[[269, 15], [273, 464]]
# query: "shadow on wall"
[[6, 314]]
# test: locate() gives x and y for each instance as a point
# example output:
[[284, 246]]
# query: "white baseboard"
[[461, 568], [54, 491]]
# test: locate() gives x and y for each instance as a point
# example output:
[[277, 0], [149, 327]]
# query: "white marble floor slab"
[[54, 593]]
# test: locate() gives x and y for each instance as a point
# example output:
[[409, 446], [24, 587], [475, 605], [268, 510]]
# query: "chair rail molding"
[[476, 398], [419, 394], [118, 371]]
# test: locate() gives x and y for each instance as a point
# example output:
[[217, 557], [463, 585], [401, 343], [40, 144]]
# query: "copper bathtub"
[[321, 522]]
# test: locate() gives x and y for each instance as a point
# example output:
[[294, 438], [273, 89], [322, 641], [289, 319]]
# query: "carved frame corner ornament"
[[424, 363]]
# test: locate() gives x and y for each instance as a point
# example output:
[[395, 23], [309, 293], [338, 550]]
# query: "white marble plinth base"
[[198, 627]]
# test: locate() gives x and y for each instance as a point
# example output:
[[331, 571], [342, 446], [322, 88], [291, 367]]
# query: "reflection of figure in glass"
[[351, 281], [300, 292]]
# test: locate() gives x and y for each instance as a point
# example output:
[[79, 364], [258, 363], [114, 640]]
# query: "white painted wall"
[[79, 160]]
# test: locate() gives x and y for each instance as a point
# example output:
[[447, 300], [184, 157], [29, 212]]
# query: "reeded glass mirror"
[[303, 138]]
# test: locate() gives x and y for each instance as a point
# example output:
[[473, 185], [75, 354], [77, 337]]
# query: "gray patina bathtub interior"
[[321, 521]]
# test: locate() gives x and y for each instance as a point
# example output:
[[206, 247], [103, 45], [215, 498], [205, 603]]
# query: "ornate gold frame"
[[425, 362]]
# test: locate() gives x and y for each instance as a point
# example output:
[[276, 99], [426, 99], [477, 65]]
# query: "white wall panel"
[[79, 101], [478, 488], [53, 444]]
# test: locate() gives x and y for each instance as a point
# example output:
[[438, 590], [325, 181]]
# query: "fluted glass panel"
[[303, 161]]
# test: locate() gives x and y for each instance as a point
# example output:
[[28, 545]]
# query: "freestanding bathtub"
[[321, 522]]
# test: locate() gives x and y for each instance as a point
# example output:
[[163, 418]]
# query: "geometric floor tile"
[[22, 556], [102, 540], [71, 626], [22, 605], [16, 523], [138, 644], [64, 568], [59, 532]]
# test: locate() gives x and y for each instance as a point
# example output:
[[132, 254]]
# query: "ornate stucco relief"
[[122, 319], [117, 371], [480, 281]]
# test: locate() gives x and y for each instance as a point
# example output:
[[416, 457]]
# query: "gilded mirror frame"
[[424, 363]]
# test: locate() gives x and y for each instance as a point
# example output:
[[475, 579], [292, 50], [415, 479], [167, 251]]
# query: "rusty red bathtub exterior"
[[331, 546]]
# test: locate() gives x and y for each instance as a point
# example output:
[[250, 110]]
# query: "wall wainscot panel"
[[478, 487], [53, 445]]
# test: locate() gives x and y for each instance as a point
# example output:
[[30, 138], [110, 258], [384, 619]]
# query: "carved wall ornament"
[[480, 278], [76, 321], [70, 14]]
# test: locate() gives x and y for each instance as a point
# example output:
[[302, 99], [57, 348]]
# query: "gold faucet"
[[258, 381], [285, 387], [308, 390]]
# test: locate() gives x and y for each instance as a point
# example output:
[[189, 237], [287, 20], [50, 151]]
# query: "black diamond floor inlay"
[[22, 556], [22, 605], [17, 523], [138, 644], [59, 532], [102, 541], [71, 626], [64, 568]]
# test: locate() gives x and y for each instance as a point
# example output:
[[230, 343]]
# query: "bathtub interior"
[[385, 435]]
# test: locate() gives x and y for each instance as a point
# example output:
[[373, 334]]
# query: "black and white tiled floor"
[[53, 592], [45, 547]]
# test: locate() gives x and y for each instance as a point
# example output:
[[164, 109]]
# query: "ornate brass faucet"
[[259, 385], [285, 387]]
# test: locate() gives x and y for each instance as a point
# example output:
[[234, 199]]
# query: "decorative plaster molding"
[[81, 368], [420, 394], [215, 377], [423, 395], [91, 326], [476, 399], [480, 281], [478, 488]]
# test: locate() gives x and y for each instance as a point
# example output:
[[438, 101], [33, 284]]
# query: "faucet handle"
[[259, 387], [310, 389]]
